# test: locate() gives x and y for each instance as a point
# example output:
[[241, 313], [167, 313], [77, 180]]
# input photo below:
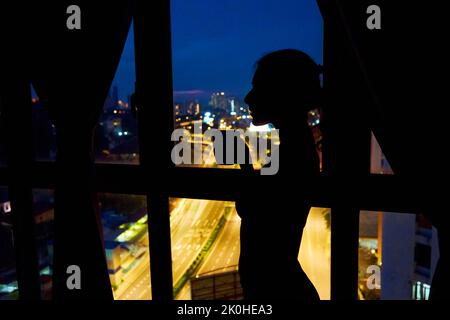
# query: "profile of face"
[[261, 99], [285, 82]]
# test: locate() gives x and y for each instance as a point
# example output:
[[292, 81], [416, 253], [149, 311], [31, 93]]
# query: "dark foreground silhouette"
[[286, 85]]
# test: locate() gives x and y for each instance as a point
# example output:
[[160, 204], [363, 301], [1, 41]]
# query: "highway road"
[[198, 221], [314, 254], [193, 217], [223, 255], [141, 288], [192, 222], [225, 252]]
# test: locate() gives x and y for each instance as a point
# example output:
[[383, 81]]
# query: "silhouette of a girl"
[[286, 85]]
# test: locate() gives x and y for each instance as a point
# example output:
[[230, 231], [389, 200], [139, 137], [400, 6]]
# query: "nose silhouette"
[[248, 97]]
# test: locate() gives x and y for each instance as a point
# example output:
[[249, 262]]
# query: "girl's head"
[[286, 85]]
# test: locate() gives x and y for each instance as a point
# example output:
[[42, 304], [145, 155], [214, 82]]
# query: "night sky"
[[216, 43]]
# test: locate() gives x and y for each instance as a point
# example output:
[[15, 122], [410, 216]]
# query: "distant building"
[[113, 253], [126, 247], [219, 102], [187, 108], [378, 162], [405, 246]]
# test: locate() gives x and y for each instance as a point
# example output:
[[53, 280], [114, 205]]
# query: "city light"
[[233, 113], [207, 119], [134, 229], [143, 220], [6, 207], [8, 288], [265, 128]]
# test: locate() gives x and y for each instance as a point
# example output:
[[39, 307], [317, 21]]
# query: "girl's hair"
[[293, 70]]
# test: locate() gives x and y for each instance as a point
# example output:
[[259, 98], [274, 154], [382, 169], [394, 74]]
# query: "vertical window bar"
[[154, 101], [346, 149], [16, 104]]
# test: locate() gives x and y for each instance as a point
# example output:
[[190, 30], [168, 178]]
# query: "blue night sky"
[[216, 43]]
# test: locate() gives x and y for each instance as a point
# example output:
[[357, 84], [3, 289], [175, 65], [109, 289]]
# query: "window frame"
[[346, 185]]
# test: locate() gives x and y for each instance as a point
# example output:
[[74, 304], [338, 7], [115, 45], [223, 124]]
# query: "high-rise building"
[[378, 162], [232, 107], [219, 102], [187, 108]]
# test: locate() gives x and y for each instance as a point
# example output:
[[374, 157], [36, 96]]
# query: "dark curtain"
[[72, 71], [404, 70]]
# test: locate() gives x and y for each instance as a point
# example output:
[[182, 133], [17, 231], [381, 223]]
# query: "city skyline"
[[213, 55], [215, 46]]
